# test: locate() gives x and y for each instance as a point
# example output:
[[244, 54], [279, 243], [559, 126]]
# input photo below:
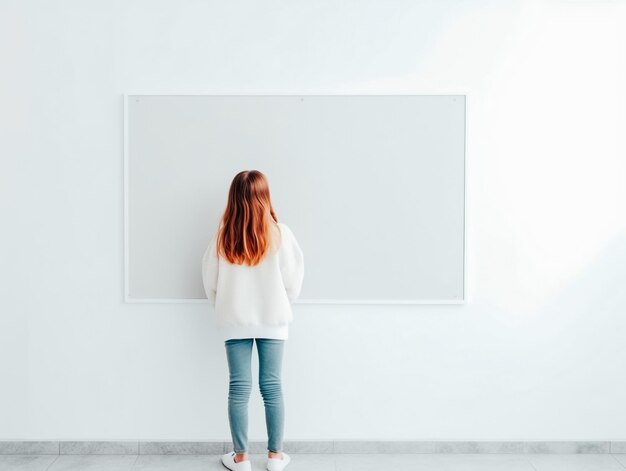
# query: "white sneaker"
[[228, 459], [278, 464]]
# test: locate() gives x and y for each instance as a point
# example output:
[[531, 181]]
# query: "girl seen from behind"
[[252, 270]]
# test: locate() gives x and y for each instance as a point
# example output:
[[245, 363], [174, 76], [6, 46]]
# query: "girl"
[[252, 270]]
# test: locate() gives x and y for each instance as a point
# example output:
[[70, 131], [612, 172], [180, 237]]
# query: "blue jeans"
[[239, 354]]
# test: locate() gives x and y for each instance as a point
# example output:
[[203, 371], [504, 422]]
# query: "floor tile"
[[93, 463], [26, 462], [299, 462], [433, 462], [575, 462], [179, 463]]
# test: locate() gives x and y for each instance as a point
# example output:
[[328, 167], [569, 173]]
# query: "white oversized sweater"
[[255, 301]]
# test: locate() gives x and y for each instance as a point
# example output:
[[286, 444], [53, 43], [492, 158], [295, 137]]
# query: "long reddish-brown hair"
[[245, 233]]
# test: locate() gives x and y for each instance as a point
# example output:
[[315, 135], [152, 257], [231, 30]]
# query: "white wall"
[[538, 351]]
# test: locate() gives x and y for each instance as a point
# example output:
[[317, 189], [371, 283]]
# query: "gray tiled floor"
[[331, 462]]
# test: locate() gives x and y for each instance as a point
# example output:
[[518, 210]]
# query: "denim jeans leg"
[[270, 383], [239, 354]]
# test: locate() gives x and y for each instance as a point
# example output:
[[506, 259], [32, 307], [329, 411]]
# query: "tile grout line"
[[134, 462], [618, 461], [53, 461], [531, 463]]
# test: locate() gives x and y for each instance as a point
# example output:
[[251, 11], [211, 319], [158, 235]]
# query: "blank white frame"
[[130, 299]]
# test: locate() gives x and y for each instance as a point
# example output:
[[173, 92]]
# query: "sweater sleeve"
[[291, 263], [210, 270]]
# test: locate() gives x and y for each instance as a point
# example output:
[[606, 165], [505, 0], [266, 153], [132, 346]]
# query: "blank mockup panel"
[[372, 186]]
